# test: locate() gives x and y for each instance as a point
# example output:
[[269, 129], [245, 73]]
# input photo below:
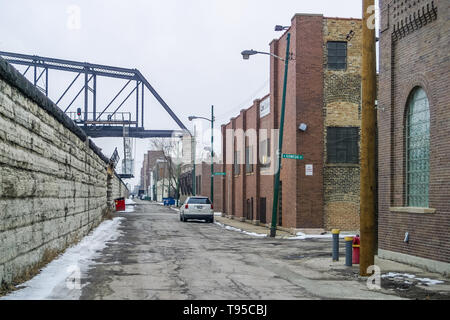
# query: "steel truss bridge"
[[97, 122]]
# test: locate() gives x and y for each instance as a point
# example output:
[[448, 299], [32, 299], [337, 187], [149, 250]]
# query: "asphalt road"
[[159, 257]]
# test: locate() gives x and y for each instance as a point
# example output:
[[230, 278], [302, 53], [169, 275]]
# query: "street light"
[[246, 54], [212, 149], [280, 28]]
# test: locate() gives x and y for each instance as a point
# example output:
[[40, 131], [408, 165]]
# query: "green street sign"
[[293, 156], [219, 173]]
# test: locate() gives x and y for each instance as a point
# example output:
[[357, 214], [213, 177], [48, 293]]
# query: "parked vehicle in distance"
[[197, 207]]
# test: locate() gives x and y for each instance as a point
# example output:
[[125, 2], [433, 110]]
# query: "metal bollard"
[[348, 251], [335, 254]]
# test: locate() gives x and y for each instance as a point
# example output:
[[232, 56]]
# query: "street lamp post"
[[245, 55], [212, 148], [212, 154]]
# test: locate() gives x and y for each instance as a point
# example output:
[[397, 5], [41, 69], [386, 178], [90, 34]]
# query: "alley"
[[159, 257]]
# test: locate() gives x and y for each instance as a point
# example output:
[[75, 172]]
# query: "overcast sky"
[[189, 50]]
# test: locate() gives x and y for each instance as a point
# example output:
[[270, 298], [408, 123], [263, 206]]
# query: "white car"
[[197, 207]]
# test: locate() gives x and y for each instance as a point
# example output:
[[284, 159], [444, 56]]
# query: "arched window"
[[417, 149]]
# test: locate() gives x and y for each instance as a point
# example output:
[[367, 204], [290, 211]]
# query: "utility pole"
[[273, 227], [193, 167], [368, 132]]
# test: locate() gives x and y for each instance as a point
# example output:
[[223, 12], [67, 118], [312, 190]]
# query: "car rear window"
[[199, 201]]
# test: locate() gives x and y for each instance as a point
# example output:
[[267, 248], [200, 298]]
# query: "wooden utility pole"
[[368, 132]]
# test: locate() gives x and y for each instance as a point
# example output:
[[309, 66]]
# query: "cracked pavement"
[[159, 257]]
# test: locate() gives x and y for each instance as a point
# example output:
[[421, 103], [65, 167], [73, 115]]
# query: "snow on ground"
[[60, 279], [239, 230], [129, 201], [407, 278]]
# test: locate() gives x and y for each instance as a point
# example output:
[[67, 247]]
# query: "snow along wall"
[[53, 179]]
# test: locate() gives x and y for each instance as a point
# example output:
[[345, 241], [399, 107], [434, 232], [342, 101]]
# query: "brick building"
[[202, 183], [148, 164], [323, 92], [414, 133]]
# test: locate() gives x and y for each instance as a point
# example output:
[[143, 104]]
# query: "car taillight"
[[186, 206], [211, 206]]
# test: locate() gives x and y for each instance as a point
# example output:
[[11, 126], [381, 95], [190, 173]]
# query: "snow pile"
[[130, 201], [407, 278], [63, 274], [239, 230]]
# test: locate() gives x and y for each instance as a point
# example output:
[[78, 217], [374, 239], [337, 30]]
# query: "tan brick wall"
[[341, 215], [342, 94], [342, 113]]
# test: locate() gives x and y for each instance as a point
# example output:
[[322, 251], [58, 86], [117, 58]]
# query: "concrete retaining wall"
[[53, 179]]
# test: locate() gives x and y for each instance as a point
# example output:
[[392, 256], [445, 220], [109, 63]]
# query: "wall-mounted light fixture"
[[350, 35], [302, 126]]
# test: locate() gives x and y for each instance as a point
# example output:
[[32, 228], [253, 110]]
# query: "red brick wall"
[[303, 104], [266, 176], [251, 186], [415, 58], [203, 170], [309, 96]]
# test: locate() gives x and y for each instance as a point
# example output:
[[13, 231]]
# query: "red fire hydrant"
[[355, 253]]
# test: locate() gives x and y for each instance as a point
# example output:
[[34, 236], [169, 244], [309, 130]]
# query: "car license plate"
[[199, 207]]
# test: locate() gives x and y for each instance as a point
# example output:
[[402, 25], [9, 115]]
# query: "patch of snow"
[[128, 209], [129, 201], [239, 230], [255, 234], [429, 282], [303, 236], [59, 279], [404, 276], [218, 213]]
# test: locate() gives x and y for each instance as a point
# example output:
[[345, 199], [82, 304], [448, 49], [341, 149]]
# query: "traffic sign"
[[293, 156], [219, 173]]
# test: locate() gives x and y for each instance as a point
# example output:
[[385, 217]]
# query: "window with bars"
[[417, 149], [342, 145], [337, 55]]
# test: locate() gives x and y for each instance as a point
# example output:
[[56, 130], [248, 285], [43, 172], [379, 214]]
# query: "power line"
[[239, 106]]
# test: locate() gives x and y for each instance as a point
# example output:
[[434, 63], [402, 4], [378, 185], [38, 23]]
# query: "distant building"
[[414, 133], [202, 183], [323, 91], [148, 164]]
